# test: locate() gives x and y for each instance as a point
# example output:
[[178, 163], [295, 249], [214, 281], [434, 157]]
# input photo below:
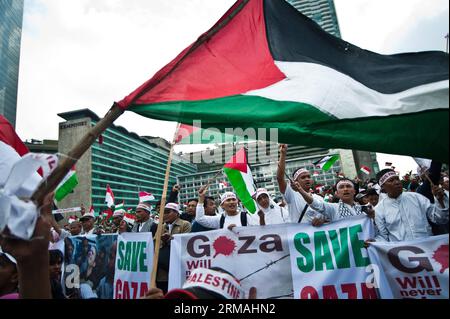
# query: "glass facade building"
[[322, 12], [11, 16], [127, 162]]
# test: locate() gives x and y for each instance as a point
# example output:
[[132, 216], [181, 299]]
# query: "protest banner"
[[90, 265], [330, 262], [66, 210], [416, 269], [257, 256], [133, 265]]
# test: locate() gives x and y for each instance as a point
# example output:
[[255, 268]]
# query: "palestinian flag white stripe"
[[342, 97]]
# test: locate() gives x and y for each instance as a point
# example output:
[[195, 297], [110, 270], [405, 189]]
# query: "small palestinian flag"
[[326, 162], [223, 185], [92, 211], [240, 177], [366, 170], [109, 197], [145, 197], [67, 185], [316, 174], [107, 214]]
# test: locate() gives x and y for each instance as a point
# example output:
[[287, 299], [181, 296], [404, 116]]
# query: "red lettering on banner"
[[332, 292], [130, 290], [126, 290], [368, 293], [208, 279], [309, 292], [144, 289], [329, 292], [350, 290], [134, 286], [118, 289]]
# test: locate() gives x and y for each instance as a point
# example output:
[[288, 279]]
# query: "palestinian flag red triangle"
[[238, 161]]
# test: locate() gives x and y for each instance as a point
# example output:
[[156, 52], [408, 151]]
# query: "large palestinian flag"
[[265, 65]]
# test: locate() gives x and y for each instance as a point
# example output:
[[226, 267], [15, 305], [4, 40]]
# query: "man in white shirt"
[[231, 218], [298, 208], [403, 216]]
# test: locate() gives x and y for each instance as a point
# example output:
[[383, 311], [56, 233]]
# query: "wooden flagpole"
[[161, 213], [77, 151]]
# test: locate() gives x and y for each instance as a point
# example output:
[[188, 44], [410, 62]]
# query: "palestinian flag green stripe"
[[299, 123], [240, 187], [66, 186]]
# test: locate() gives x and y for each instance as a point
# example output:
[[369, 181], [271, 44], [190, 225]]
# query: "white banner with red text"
[[416, 269]]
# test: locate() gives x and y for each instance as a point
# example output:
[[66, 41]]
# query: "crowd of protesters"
[[401, 208]]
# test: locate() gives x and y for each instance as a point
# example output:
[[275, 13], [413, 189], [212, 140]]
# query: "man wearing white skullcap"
[[404, 216], [231, 218], [299, 210]]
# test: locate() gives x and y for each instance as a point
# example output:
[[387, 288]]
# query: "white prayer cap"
[[226, 196], [144, 206], [173, 206]]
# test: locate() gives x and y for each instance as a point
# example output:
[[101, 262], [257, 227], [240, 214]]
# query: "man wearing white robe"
[[270, 213], [402, 215]]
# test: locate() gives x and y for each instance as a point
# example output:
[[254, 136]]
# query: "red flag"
[[9, 136]]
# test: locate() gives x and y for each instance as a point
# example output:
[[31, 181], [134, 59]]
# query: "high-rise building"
[[11, 16], [127, 162], [322, 12]]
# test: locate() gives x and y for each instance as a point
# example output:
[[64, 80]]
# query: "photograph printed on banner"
[[89, 266]]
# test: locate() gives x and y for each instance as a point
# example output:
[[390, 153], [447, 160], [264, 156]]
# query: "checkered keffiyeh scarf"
[[344, 212]]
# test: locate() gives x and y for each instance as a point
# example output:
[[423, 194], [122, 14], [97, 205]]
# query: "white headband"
[[344, 182], [226, 196], [215, 281], [144, 207], [445, 179], [385, 177], [300, 172]]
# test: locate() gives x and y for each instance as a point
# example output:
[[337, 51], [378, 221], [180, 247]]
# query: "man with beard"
[[403, 215], [299, 210]]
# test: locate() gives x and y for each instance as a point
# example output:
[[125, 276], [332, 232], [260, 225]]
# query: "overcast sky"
[[89, 53]]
